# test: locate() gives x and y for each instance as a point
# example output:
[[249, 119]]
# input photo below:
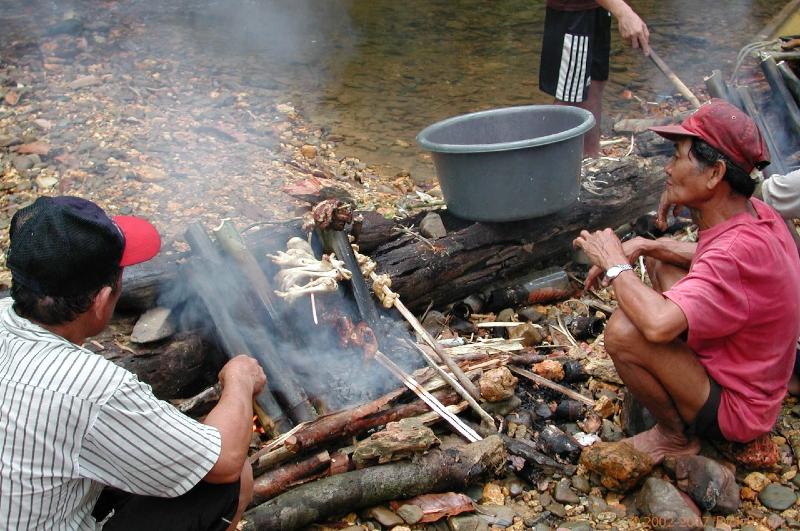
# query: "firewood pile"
[[366, 404]]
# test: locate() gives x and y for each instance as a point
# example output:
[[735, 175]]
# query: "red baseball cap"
[[64, 246], [726, 128], [142, 241]]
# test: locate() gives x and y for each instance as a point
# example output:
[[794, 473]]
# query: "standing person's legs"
[[574, 63]]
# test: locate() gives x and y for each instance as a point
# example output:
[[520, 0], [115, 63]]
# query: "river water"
[[374, 73]]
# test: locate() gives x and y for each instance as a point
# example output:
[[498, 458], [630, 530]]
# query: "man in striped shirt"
[[575, 49], [72, 423]]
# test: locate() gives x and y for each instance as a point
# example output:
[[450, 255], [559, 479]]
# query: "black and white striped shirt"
[[72, 421]]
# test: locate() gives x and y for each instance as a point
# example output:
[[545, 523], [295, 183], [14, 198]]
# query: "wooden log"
[[176, 368], [475, 255], [339, 425], [272, 483], [438, 471]]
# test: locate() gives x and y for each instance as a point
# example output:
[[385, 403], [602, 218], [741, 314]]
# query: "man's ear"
[[717, 174], [100, 305]]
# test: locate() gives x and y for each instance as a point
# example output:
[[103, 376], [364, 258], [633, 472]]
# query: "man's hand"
[[243, 370], [664, 207], [631, 27], [604, 250]]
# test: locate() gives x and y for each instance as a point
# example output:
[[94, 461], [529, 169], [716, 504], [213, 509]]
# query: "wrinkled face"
[[687, 181]]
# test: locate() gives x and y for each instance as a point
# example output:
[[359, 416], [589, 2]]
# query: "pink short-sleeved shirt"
[[741, 299]]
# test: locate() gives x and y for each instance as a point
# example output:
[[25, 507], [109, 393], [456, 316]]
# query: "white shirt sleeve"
[[782, 192], [143, 445]]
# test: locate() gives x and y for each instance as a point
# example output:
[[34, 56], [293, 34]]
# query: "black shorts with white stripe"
[[575, 50]]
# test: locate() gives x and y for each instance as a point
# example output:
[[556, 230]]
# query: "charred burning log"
[[472, 256], [272, 483], [438, 471], [342, 424]]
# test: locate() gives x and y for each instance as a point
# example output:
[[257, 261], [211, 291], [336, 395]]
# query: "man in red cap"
[[72, 423], [710, 347]]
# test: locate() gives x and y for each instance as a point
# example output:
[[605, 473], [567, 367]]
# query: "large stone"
[[712, 486], [665, 508], [777, 497], [634, 417], [620, 466], [493, 494], [153, 325], [399, 440], [467, 523], [603, 369], [563, 493], [550, 369], [410, 513], [497, 384], [432, 227], [499, 515], [383, 516]]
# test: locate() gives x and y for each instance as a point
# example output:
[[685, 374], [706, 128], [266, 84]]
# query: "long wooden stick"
[[667, 71], [458, 424], [462, 392], [467, 388], [552, 385]]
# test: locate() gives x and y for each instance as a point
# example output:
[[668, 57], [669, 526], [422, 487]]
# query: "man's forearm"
[[671, 251], [233, 418], [615, 7]]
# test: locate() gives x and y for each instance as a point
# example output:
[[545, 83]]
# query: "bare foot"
[[659, 443]]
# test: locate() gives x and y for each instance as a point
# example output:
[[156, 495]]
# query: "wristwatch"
[[614, 271]]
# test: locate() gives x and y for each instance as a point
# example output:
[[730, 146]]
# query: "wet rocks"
[[712, 486], [777, 497], [634, 417], [153, 325], [550, 369], [665, 506], [603, 369], [620, 466], [432, 227], [564, 494], [497, 385]]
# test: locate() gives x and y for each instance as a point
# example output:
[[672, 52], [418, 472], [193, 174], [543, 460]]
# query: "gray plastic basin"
[[509, 164]]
